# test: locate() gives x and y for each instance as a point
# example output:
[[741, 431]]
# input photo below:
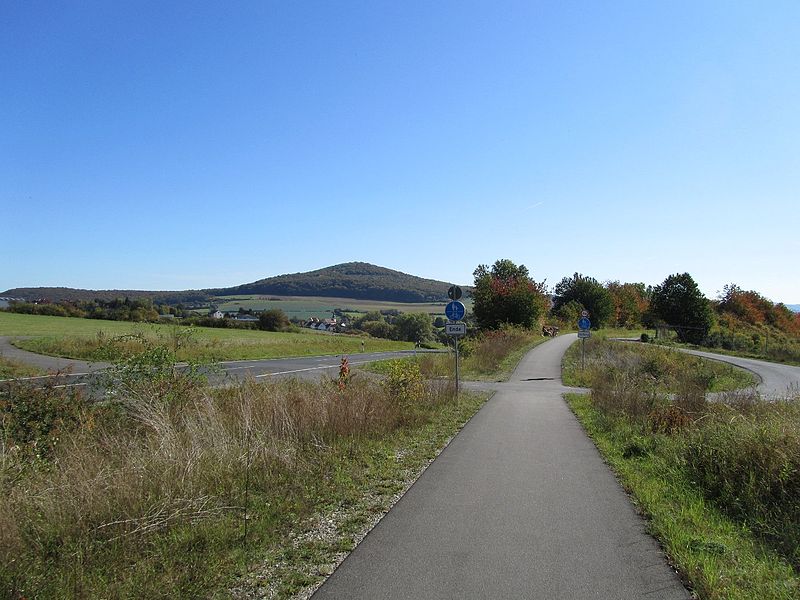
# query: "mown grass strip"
[[720, 558], [89, 339]]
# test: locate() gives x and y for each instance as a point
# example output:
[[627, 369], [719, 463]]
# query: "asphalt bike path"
[[519, 505], [777, 380]]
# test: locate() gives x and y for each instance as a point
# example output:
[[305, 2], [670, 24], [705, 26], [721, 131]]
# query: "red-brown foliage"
[[754, 309]]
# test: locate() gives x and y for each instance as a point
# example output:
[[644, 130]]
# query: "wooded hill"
[[357, 280], [66, 294]]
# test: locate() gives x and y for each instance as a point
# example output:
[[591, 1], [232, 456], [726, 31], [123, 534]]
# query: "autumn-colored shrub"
[[668, 420]]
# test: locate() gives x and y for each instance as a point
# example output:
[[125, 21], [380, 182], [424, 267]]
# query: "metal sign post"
[[455, 328], [583, 325], [455, 341]]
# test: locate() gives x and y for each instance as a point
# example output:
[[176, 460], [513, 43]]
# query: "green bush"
[[33, 417], [403, 382], [273, 319]]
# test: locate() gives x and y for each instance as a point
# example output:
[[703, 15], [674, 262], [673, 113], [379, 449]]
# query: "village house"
[[245, 318], [332, 325]]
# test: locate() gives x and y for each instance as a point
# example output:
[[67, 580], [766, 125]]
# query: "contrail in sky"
[[532, 206]]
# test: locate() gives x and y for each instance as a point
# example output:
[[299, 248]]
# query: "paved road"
[[311, 367], [519, 505], [81, 373]]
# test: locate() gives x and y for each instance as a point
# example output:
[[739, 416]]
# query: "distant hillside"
[[349, 280], [794, 307], [357, 280], [65, 294]]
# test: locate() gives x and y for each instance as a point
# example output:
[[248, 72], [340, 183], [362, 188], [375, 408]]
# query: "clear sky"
[[175, 145]]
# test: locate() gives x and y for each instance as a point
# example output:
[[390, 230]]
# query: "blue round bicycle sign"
[[455, 310], [584, 323]]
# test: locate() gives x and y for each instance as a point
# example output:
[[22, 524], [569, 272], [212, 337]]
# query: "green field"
[[13, 324], [304, 307], [83, 338]]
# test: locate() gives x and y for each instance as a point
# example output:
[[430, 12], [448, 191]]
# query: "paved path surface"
[[777, 380], [46, 363], [519, 505]]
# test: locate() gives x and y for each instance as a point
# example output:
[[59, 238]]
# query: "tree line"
[[507, 294], [117, 309]]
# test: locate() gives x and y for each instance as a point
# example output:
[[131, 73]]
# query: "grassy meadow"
[[719, 481], [90, 339], [304, 307], [759, 342]]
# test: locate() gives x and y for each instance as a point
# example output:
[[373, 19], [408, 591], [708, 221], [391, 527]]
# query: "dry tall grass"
[[157, 459], [487, 352]]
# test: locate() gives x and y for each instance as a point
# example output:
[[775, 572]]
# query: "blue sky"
[[177, 145]]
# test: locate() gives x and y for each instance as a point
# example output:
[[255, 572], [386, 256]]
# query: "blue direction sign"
[[454, 310], [584, 323]]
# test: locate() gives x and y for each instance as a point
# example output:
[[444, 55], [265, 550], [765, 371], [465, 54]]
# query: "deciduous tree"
[[505, 293], [380, 329], [589, 293], [273, 319], [630, 301], [413, 327], [680, 303]]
